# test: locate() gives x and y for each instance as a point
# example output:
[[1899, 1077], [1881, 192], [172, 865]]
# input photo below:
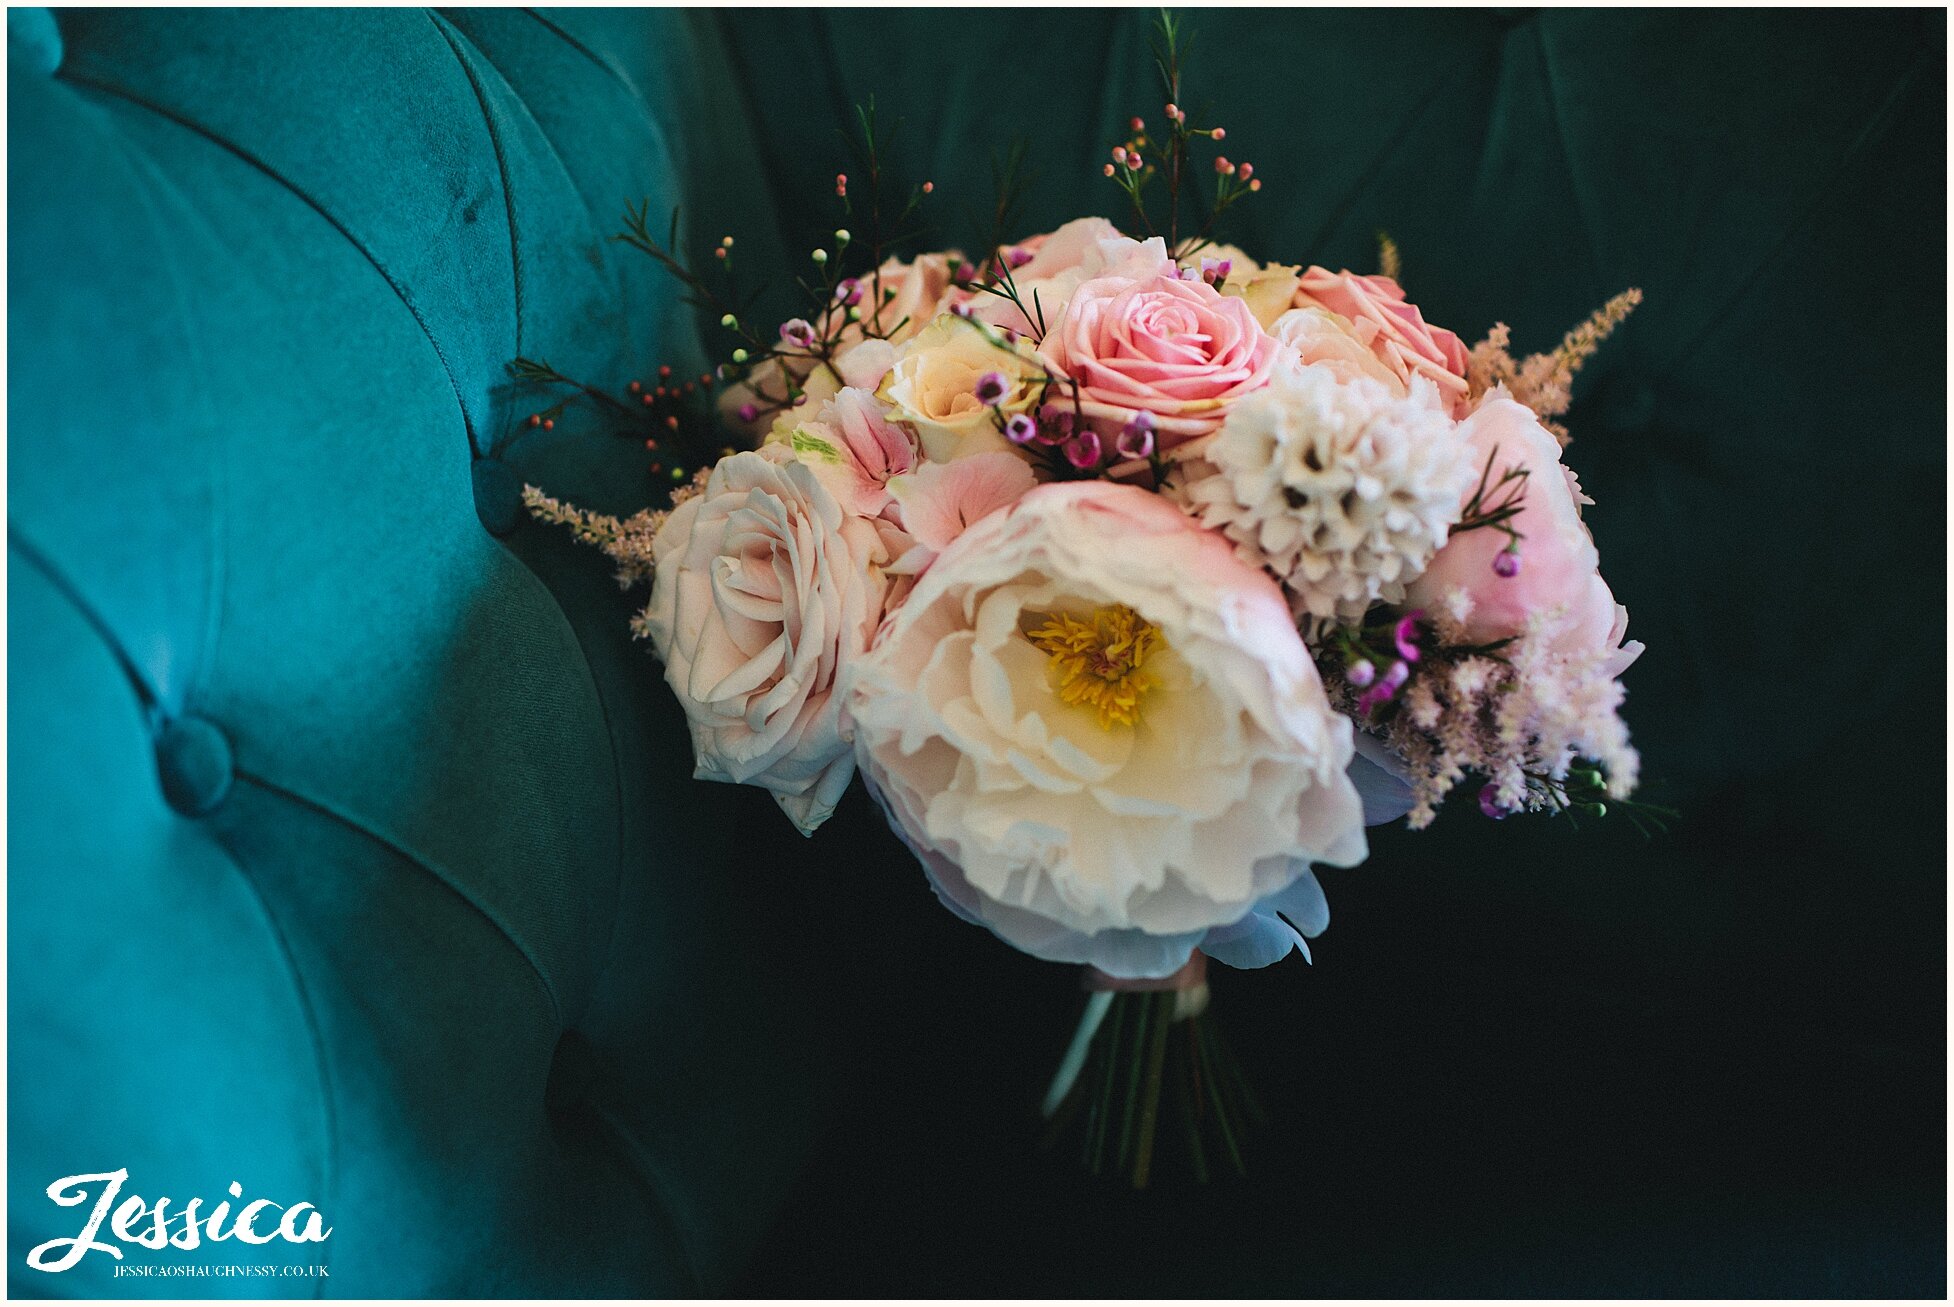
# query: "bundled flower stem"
[[1141, 1055]]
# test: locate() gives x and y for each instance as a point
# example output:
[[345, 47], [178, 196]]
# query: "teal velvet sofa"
[[354, 855]]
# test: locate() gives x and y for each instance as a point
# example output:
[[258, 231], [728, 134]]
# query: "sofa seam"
[[309, 1010], [438, 873], [148, 695], [451, 36], [400, 293]]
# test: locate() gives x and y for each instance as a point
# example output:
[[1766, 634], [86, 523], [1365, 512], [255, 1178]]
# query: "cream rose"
[[763, 592], [1321, 338], [1101, 734], [1268, 288], [932, 386]]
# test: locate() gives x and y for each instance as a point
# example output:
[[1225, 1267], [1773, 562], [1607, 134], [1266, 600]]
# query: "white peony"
[[764, 591], [1336, 482], [1100, 733]]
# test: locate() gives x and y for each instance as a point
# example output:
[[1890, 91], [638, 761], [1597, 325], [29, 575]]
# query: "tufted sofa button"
[[498, 496], [195, 765], [33, 35]]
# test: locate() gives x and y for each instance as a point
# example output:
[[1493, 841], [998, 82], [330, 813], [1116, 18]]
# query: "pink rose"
[[1178, 350], [1059, 263], [1393, 328], [912, 295], [1559, 576]]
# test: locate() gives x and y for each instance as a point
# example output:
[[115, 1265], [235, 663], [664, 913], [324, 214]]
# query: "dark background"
[[1527, 1060]]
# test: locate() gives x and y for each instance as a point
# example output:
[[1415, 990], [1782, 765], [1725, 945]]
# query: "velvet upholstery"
[[354, 854]]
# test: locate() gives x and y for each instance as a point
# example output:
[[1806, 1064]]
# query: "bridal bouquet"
[[1133, 576]]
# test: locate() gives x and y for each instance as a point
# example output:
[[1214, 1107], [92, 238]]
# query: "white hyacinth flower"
[[1340, 486]]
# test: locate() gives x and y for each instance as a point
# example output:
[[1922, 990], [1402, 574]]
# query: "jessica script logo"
[[135, 1221]]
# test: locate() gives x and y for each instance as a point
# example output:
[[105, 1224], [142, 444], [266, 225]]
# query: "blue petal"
[[1381, 781], [1303, 903], [1257, 940]]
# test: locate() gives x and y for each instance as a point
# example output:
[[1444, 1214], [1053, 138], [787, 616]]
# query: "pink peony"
[[1558, 580], [1393, 328], [943, 500], [1178, 350]]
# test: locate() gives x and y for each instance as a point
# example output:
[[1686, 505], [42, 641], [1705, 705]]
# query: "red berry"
[[637, 386], [664, 370], [649, 399], [672, 422], [535, 419], [549, 424]]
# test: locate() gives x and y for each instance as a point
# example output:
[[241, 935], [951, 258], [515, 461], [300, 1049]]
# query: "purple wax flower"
[[1395, 675], [991, 388], [1360, 673], [1017, 258], [1215, 271], [848, 291], [798, 332], [1135, 439], [1405, 636], [1489, 802], [1082, 451], [1055, 423], [1019, 429], [1507, 562], [749, 411]]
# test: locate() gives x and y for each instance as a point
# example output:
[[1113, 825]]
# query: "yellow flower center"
[[1100, 661]]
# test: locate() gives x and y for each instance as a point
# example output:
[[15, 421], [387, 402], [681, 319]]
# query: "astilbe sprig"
[[1530, 719], [626, 541], [1390, 263], [1544, 382]]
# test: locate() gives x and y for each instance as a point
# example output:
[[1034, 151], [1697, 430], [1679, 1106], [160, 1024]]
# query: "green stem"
[[1162, 1005], [1109, 1048], [1129, 1117]]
